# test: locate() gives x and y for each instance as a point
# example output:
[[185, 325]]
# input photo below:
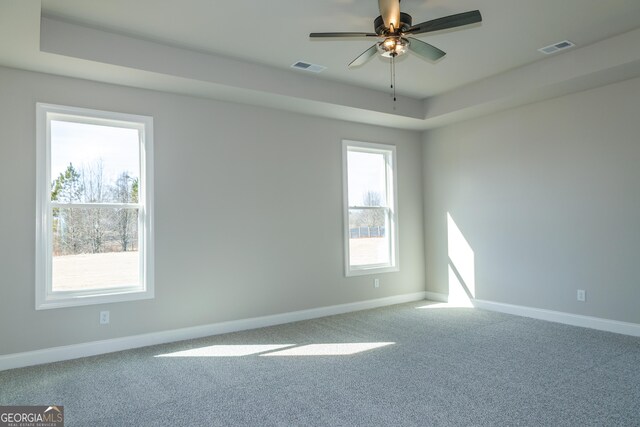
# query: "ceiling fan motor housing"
[[382, 30]]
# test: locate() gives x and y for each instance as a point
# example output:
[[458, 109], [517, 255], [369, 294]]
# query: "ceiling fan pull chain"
[[393, 77], [391, 73]]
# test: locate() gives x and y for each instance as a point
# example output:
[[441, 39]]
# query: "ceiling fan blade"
[[425, 50], [390, 12], [446, 22], [315, 35], [364, 56]]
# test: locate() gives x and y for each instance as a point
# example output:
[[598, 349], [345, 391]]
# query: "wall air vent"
[[305, 66], [556, 47]]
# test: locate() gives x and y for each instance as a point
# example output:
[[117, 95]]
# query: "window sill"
[[371, 270], [60, 301]]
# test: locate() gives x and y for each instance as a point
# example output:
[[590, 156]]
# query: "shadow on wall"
[[462, 282]]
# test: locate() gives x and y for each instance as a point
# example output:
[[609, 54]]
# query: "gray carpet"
[[448, 366]]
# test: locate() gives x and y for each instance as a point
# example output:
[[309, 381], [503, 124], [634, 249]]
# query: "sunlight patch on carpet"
[[225, 350], [335, 349], [460, 304]]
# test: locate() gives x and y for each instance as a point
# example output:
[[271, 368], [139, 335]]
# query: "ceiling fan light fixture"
[[393, 46]]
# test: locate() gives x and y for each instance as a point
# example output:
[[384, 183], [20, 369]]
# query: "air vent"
[[305, 66], [556, 47]]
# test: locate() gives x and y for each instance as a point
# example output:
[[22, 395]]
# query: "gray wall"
[[547, 197], [218, 166]]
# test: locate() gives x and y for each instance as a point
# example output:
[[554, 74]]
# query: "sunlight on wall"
[[462, 285], [458, 296], [334, 349]]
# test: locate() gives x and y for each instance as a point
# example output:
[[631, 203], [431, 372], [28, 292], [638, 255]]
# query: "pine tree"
[[67, 187], [67, 222]]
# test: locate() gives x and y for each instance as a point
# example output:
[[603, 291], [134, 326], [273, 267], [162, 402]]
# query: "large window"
[[370, 213], [94, 207]]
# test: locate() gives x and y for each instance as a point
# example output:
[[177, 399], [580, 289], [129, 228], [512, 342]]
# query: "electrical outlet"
[[582, 295], [376, 283], [104, 317]]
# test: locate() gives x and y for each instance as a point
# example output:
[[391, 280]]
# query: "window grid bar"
[[96, 205]]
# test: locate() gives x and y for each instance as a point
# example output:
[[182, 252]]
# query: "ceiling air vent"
[[556, 47], [305, 66]]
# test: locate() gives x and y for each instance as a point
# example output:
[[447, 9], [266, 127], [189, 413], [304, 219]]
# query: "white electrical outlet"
[[582, 295], [104, 317], [376, 283]]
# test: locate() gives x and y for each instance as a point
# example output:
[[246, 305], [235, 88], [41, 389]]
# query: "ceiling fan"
[[394, 28]]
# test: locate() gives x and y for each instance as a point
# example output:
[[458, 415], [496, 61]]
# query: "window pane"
[[94, 248], [93, 163], [368, 237], [367, 179]]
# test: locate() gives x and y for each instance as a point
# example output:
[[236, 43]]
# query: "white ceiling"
[[271, 35]]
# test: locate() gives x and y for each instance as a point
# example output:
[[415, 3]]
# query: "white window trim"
[[45, 298], [392, 201]]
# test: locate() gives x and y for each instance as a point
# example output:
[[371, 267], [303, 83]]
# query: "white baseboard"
[[436, 296], [56, 354], [608, 325]]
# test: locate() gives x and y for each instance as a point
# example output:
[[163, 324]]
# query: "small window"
[[94, 240], [370, 212]]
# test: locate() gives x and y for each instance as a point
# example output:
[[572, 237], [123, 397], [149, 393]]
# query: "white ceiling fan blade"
[[390, 12]]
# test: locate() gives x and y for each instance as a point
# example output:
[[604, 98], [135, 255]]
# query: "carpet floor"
[[409, 364]]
